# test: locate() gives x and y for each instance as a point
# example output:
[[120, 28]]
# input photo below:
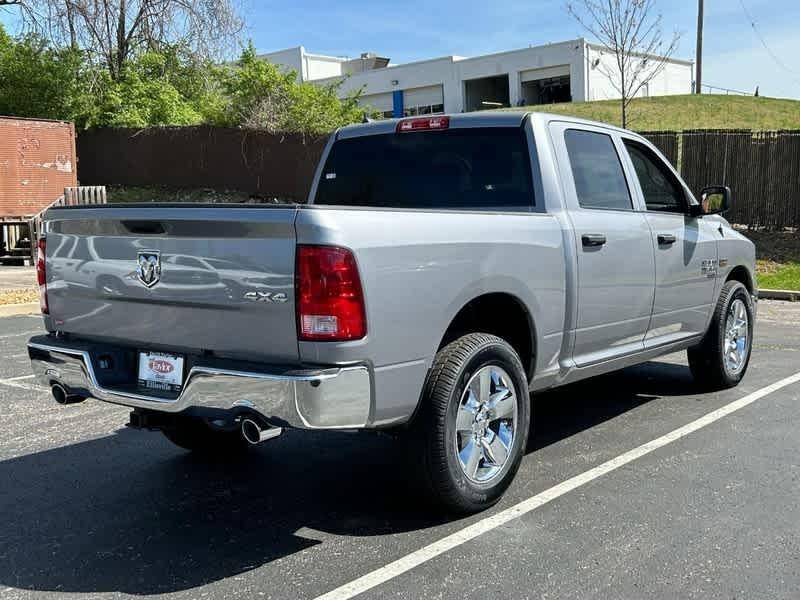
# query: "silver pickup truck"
[[443, 268]]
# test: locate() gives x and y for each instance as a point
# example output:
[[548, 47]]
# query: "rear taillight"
[[424, 124], [41, 274], [330, 301]]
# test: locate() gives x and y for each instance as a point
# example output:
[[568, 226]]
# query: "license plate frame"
[[160, 372]]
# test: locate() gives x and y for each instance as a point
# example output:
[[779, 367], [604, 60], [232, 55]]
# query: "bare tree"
[[630, 31], [112, 31]]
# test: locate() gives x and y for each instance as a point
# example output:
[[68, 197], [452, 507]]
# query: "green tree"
[[171, 86], [262, 96], [157, 88], [38, 81]]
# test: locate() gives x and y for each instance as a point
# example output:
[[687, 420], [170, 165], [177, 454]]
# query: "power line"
[[773, 56]]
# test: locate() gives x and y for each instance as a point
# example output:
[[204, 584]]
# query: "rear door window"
[[597, 171], [476, 168]]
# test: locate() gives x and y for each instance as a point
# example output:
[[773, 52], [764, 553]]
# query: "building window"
[[413, 111], [429, 109]]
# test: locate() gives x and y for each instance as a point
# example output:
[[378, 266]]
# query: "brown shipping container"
[[37, 161]]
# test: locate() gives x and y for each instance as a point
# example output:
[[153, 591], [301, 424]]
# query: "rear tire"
[[194, 434], [472, 429], [720, 361]]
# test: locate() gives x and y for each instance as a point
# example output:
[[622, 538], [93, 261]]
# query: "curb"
[[10, 310], [790, 295]]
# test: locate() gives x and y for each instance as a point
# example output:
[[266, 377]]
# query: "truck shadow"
[[563, 412], [129, 513]]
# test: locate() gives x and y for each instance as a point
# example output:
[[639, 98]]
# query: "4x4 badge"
[[279, 297], [148, 269], [709, 267]]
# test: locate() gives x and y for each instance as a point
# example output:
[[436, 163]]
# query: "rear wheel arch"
[[503, 315]]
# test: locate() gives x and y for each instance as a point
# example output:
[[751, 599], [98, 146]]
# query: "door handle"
[[592, 240], [666, 239]]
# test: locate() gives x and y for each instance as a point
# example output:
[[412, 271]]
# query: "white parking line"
[[16, 382], [19, 377], [431, 551], [11, 335]]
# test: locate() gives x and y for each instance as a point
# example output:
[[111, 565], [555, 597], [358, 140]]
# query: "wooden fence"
[[256, 162], [762, 168]]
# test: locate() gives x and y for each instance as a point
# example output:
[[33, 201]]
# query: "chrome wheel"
[[736, 337], [486, 424]]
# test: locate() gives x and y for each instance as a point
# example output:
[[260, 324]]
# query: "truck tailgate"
[[211, 279]]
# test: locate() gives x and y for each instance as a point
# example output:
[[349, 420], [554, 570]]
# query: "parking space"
[[92, 508]]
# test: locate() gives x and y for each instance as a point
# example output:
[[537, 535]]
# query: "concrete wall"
[[675, 78], [307, 66], [514, 62], [576, 57], [452, 71], [321, 67], [291, 59], [438, 71]]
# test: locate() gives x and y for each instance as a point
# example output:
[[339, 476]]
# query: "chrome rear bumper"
[[329, 398]]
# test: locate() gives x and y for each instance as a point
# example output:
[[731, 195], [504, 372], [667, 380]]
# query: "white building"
[[574, 70]]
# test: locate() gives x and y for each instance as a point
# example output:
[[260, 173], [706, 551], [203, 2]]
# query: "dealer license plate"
[[159, 371]]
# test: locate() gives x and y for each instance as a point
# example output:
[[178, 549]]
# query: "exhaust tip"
[[62, 397], [251, 432], [59, 394]]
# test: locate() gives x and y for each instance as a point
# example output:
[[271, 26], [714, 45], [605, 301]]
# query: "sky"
[[734, 55]]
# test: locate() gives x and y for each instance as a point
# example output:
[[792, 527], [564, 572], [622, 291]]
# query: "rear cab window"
[[480, 168]]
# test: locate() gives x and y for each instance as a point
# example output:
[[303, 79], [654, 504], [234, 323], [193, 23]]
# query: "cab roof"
[[489, 118]]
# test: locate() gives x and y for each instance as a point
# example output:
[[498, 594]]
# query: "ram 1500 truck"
[[443, 268]]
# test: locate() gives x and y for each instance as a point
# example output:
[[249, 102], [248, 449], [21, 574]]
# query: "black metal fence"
[[762, 168]]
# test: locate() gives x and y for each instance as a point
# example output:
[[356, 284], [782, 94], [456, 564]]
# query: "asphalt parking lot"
[[90, 509]]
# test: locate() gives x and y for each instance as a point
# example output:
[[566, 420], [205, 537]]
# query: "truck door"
[[615, 263], [685, 249]]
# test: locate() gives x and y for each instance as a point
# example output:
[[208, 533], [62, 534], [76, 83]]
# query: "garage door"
[[424, 96], [546, 73], [379, 102]]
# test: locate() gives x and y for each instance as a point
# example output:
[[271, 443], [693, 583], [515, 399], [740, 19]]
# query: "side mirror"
[[714, 200]]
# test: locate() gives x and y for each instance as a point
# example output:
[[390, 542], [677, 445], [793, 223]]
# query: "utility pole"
[[698, 83]]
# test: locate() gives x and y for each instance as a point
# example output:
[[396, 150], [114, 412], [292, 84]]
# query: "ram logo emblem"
[[148, 268]]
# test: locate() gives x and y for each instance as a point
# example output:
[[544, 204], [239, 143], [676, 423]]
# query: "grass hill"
[[671, 113]]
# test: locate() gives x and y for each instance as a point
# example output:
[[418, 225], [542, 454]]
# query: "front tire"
[[195, 435], [721, 359], [474, 421]]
